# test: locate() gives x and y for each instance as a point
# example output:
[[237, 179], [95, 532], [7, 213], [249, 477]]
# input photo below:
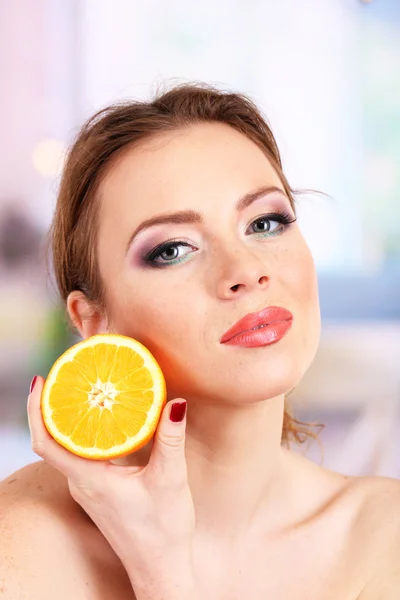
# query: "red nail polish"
[[32, 384], [178, 411]]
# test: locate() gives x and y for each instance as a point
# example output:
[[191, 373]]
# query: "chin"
[[249, 383], [273, 380]]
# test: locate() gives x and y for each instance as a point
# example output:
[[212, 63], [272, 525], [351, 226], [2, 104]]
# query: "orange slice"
[[103, 397]]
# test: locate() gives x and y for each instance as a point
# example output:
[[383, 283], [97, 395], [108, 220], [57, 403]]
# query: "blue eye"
[[168, 253]]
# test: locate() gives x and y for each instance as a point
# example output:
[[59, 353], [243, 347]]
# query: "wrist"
[[167, 581], [155, 588], [156, 593]]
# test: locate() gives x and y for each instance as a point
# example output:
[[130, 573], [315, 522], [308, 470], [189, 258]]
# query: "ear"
[[87, 319]]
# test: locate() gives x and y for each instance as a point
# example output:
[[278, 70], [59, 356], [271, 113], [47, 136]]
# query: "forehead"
[[205, 163]]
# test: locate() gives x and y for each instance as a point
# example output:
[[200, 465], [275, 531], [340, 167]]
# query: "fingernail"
[[178, 411], [32, 384]]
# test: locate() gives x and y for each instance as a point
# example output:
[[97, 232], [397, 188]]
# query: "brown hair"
[[73, 232]]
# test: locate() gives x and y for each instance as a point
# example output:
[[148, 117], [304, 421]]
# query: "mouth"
[[258, 320]]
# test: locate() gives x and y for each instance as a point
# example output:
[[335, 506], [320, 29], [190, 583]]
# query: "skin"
[[261, 510]]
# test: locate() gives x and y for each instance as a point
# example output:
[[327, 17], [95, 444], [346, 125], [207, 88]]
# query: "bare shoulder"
[[48, 546], [378, 529], [373, 504], [365, 513], [378, 514], [35, 485], [38, 493], [380, 494], [372, 507]]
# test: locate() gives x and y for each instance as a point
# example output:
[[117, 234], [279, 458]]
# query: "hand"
[[146, 513]]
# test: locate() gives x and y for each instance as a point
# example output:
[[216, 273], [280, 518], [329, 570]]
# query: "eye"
[[168, 253], [272, 224], [173, 253]]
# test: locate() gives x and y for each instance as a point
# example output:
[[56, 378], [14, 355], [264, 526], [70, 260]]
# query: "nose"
[[241, 271]]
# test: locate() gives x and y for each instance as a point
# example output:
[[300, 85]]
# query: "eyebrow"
[[192, 216]]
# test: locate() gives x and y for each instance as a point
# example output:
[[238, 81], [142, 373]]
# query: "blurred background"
[[326, 73]]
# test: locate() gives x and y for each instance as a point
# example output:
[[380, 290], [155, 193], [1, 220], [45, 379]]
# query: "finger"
[[168, 451], [44, 445]]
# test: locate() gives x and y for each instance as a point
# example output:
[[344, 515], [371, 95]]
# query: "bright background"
[[326, 73]]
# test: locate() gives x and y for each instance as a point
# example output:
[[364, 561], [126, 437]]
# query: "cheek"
[[149, 314], [306, 281], [306, 300], [298, 275]]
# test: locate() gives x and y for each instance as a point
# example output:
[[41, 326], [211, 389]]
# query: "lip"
[[267, 316]]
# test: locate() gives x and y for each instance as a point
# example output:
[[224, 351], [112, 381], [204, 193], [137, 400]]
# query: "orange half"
[[103, 397]]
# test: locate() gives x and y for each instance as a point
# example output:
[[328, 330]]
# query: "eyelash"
[[283, 218]]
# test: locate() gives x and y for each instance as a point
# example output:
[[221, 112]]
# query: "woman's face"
[[178, 301]]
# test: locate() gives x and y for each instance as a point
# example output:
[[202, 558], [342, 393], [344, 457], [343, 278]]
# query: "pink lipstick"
[[262, 328]]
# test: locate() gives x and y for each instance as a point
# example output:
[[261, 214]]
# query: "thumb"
[[168, 451]]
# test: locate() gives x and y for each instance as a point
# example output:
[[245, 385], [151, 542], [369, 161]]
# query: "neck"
[[235, 463]]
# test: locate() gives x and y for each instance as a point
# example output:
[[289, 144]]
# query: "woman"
[[175, 225]]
